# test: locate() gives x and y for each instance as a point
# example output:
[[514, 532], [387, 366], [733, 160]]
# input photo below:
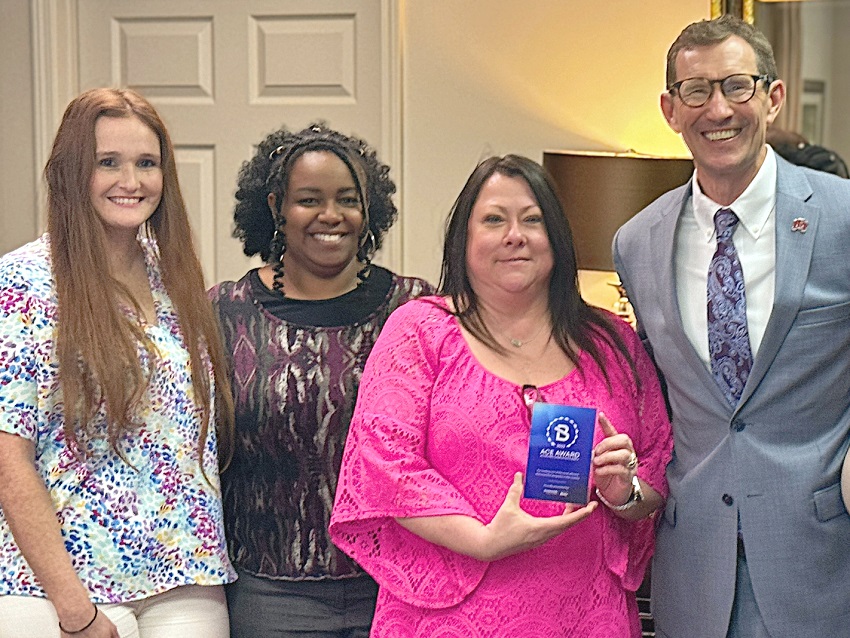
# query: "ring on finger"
[[633, 462]]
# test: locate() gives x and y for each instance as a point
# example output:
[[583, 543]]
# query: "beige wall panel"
[[170, 60], [19, 174], [320, 56], [196, 168]]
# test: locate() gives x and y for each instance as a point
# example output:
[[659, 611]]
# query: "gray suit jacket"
[[776, 459]]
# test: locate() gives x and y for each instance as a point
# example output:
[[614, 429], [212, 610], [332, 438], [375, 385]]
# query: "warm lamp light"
[[599, 193], [602, 191]]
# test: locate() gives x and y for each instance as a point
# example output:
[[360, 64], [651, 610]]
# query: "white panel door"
[[225, 73]]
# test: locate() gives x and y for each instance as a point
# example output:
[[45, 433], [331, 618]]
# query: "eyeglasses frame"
[[674, 89]]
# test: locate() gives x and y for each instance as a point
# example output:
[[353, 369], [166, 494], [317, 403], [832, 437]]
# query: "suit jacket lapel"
[[663, 239], [793, 257]]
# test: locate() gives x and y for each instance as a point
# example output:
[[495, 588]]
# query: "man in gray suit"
[[740, 280]]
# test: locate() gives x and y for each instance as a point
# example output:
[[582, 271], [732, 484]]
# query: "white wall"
[[498, 76]]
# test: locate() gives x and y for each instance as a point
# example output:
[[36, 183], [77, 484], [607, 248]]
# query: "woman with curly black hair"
[[315, 206]]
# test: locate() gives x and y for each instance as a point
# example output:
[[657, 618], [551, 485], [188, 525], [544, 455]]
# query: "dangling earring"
[[277, 250], [365, 254]]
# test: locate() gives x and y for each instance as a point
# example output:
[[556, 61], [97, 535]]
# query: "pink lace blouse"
[[435, 433]]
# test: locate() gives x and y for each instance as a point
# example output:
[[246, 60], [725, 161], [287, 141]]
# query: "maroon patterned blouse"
[[295, 381]]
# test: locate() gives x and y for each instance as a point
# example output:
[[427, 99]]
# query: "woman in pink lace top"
[[429, 500]]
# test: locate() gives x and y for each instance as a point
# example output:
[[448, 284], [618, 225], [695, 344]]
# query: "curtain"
[[782, 24]]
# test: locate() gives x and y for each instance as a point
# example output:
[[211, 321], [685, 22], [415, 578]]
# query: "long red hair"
[[97, 347]]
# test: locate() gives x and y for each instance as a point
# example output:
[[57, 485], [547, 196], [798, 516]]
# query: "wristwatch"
[[634, 498]]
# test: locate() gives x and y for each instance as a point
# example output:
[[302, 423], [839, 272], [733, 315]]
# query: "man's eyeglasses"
[[738, 88]]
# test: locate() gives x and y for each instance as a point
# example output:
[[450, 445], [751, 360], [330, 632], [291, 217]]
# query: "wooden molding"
[[55, 76]]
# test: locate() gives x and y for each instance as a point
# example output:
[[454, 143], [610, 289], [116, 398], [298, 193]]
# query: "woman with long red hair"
[[113, 378]]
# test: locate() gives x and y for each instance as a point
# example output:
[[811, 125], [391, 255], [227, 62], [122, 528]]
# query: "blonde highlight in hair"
[[97, 347]]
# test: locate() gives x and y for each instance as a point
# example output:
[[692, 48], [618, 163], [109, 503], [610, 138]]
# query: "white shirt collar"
[[753, 207]]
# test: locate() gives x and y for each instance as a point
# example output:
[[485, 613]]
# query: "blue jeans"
[[301, 609]]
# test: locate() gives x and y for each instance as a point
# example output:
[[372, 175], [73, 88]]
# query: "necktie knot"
[[725, 221]]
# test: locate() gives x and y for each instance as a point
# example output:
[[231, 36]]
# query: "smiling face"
[[126, 185], [727, 140], [508, 250], [323, 217]]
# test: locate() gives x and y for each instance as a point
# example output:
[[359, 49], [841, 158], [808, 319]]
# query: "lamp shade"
[[601, 191]]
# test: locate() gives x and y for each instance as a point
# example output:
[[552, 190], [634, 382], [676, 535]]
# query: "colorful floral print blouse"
[[135, 528]]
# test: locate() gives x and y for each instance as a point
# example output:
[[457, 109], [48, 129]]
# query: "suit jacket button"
[[738, 425], [728, 499]]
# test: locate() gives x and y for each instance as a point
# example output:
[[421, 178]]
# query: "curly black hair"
[[268, 172]]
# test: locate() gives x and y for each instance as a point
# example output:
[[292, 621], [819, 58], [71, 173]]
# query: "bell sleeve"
[[386, 472], [629, 545]]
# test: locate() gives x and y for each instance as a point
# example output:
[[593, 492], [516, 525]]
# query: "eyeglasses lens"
[[735, 88]]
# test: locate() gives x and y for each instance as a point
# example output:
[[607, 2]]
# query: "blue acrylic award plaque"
[[559, 453]]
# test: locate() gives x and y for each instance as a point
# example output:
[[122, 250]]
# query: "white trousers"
[[190, 611]]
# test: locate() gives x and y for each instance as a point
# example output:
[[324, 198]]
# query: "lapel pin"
[[800, 225]]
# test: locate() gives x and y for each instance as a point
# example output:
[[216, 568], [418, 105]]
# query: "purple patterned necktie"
[[728, 337]]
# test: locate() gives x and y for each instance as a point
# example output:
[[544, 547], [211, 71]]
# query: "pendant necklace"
[[518, 343]]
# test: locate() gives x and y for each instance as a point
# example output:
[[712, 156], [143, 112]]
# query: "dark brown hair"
[[573, 320], [97, 347]]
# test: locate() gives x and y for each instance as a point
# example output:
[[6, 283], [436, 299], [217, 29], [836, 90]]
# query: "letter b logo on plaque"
[[559, 453]]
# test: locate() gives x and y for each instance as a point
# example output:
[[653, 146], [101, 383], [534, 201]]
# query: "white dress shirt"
[[755, 242]]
